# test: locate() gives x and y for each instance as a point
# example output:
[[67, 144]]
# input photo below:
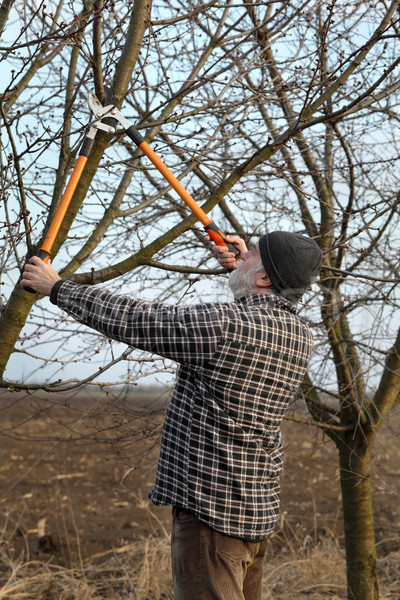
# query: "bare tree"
[[275, 114]]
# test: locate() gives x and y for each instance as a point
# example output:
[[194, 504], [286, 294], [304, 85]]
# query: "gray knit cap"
[[292, 262]]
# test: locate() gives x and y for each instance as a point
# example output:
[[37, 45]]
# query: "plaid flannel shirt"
[[240, 364]]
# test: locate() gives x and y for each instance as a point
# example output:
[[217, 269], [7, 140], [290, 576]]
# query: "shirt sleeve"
[[186, 334]]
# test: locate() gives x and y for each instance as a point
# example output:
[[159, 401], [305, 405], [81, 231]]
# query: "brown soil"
[[74, 480]]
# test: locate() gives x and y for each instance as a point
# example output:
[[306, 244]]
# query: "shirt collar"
[[273, 301]]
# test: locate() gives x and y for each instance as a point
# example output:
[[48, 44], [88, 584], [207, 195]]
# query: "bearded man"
[[240, 364]]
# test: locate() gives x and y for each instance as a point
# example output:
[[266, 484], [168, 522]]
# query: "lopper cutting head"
[[101, 112]]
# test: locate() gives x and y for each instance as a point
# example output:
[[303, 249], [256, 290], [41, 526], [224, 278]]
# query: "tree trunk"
[[12, 321], [362, 577]]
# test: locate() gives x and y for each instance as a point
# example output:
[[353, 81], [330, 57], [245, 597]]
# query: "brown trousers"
[[208, 565]]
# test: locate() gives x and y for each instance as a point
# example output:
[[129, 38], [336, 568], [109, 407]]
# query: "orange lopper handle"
[[63, 206], [45, 249], [213, 231]]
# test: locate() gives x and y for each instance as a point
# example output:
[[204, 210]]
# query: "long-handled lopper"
[[101, 112], [210, 227], [84, 152]]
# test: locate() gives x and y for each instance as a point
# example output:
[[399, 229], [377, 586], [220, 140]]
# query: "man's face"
[[242, 279]]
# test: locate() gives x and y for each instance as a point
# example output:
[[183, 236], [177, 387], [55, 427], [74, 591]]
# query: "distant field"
[[75, 522]]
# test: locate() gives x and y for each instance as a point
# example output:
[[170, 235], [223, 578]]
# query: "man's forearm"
[[111, 314]]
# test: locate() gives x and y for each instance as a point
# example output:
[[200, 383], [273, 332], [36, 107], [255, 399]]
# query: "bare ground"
[[74, 480]]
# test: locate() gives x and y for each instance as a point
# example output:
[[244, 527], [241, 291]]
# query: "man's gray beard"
[[242, 284]]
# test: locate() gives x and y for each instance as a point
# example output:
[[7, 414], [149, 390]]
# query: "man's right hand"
[[228, 259]]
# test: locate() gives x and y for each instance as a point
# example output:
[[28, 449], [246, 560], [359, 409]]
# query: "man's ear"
[[262, 280]]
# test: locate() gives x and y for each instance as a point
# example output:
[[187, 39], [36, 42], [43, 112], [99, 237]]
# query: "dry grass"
[[310, 573], [321, 575], [136, 571], [312, 568], [141, 571]]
